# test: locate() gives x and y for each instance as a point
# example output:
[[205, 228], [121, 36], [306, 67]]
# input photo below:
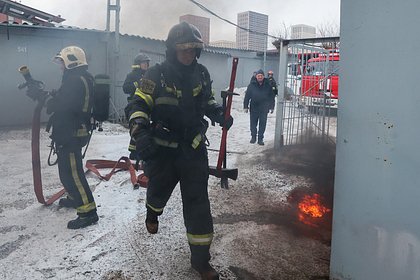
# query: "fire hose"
[[35, 90], [124, 163]]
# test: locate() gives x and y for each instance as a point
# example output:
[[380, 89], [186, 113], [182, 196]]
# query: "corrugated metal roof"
[[27, 13]]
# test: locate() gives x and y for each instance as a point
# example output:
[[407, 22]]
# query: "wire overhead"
[[201, 6]]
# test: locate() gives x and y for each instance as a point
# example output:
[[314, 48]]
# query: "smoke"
[[154, 18]]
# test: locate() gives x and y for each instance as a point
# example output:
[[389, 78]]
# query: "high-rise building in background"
[[301, 31], [202, 23], [250, 40]]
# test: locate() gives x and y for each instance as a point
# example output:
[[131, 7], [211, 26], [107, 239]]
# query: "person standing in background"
[[139, 67], [272, 82], [259, 100]]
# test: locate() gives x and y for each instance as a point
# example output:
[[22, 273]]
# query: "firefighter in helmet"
[[139, 67], [71, 107], [167, 123]]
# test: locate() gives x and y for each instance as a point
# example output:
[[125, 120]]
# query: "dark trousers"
[[258, 117], [164, 173], [72, 176]]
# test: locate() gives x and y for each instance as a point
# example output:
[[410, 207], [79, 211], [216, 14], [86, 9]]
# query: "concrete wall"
[[35, 47], [376, 225]]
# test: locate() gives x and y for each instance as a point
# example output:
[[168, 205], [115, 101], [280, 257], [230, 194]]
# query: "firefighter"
[[272, 82], [139, 67], [71, 107], [259, 99], [167, 122]]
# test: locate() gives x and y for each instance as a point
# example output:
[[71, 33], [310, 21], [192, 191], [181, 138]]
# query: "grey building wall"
[[35, 47], [376, 228]]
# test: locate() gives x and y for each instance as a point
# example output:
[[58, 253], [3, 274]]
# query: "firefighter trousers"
[[164, 172], [72, 176]]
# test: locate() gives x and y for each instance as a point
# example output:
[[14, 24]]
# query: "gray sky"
[[153, 18]]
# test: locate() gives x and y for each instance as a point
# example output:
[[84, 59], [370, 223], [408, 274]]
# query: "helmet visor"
[[189, 45]]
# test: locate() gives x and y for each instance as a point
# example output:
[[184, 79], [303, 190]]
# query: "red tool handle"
[[222, 150]]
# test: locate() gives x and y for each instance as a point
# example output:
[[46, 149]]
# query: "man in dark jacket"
[[259, 99], [166, 118], [71, 108], [139, 67]]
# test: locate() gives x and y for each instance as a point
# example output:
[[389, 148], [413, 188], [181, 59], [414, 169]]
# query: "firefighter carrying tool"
[[225, 173], [167, 123]]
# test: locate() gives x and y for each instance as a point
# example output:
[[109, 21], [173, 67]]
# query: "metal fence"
[[307, 110]]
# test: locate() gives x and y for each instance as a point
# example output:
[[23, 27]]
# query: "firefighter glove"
[[246, 110], [225, 123], [145, 145], [271, 111]]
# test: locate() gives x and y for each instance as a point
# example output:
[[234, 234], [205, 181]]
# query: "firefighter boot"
[[152, 223], [253, 139], [83, 220], [67, 202], [207, 272]]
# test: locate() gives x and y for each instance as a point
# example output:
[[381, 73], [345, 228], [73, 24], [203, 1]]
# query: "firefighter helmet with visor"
[[184, 36]]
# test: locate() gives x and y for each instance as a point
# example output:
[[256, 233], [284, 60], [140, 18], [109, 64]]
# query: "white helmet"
[[72, 57]]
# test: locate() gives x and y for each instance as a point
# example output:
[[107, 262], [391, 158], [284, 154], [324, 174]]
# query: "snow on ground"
[[256, 237]]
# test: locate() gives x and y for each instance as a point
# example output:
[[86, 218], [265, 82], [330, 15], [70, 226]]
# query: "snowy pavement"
[[256, 236]]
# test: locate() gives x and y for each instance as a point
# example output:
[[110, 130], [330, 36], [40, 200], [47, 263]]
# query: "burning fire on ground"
[[311, 208]]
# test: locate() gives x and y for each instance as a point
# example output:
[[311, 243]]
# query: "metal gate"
[[308, 109]]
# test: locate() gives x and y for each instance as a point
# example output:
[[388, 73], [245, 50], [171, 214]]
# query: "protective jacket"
[[72, 107], [259, 97], [175, 99], [132, 80]]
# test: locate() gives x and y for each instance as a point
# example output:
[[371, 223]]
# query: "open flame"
[[310, 208]]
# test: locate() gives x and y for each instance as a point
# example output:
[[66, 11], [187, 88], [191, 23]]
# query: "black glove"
[[227, 123], [220, 119], [145, 145]]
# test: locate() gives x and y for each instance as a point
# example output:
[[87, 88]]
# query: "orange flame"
[[311, 206]]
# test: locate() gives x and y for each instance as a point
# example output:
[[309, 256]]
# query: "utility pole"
[[265, 52], [114, 7], [113, 57]]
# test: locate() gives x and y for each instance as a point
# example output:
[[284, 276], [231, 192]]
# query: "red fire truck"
[[319, 84]]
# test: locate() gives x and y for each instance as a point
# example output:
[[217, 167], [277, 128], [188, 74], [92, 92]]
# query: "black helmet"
[[184, 36], [141, 57]]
